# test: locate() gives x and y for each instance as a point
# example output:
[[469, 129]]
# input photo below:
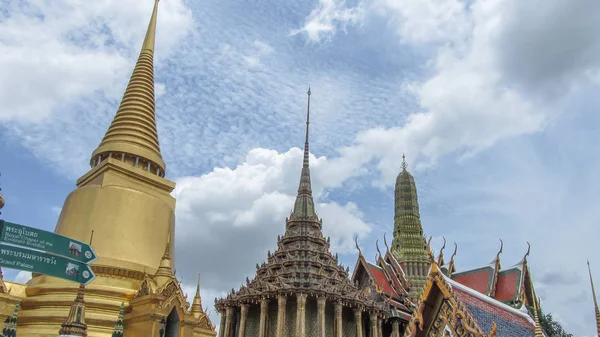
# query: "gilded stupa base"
[[49, 300]]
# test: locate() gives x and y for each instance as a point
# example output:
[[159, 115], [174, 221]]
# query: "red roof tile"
[[382, 280], [509, 285], [497, 309], [478, 279]]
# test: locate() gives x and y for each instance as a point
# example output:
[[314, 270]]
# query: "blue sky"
[[494, 103]]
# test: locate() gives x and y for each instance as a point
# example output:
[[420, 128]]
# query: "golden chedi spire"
[[75, 325], [595, 300], [196, 308], [133, 130], [127, 203]]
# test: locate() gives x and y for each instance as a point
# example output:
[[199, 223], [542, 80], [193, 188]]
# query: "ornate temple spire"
[[196, 308], [75, 325], [595, 299], [304, 208], [10, 323], [133, 129], [164, 273], [408, 245], [118, 330]]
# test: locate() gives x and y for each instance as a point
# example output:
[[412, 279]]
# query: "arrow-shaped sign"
[[47, 241], [44, 263]]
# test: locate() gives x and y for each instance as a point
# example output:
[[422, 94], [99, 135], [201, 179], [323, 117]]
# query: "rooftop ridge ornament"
[[528, 251], [357, 246], [404, 164]]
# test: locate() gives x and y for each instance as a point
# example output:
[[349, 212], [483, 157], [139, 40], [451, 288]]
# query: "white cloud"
[[59, 50], [227, 219], [419, 21], [487, 83], [327, 18], [23, 277]]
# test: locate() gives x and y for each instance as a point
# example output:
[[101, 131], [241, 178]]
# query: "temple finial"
[[165, 270], [75, 324], [118, 330], [10, 324], [132, 136], [196, 308], [357, 246], [385, 243], [404, 164], [377, 246], [500, 251], [595, 299], [440, 259], [306, 152], [529, 251], [304, 208], [451, 263]]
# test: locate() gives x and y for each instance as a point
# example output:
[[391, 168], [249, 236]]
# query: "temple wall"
[[348, 323], [272, 319], [329, 319], [312, 317], [291, 309], [253, 321]]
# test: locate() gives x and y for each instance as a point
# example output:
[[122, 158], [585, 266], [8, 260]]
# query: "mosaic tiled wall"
[[272, 319], [329, 319], [253, 321], [348, 323], [312, 317], [291, 309]]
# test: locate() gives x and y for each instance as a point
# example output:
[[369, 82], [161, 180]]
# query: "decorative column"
[[379, 327], [321, 314], [229, 321], [358, 320], [338, 319], [244, 314], [281, 301], [395, 329], [264, 306], [222, 325], [301, 315], [374, 330]]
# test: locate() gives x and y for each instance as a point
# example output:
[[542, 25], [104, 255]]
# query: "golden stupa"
[[125, 201]]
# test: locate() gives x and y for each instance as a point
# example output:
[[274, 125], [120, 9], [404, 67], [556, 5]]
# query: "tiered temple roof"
[[402, 272], [388, 279], [302, 272], [449, 305], [302, 262], [512, 285]]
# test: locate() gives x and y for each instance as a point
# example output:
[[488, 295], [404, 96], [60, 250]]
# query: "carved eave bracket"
[[166, 295], [451, 314]]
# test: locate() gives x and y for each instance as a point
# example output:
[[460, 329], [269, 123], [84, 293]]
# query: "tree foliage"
[[551, 327]]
